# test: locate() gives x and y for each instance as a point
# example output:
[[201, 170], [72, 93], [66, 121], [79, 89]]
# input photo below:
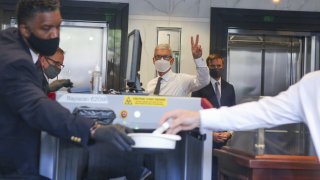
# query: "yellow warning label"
[[145, 101]]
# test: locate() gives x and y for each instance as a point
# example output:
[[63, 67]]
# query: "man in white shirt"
[[300, 103], [177, 84]]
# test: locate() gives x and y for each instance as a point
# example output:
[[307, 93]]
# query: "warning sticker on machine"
[[145, 101]]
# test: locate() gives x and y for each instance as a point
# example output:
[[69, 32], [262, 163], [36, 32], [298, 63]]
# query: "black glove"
[[58, 84], [116, 135]]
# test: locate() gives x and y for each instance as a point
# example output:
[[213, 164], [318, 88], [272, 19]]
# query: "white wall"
[[193, 17]]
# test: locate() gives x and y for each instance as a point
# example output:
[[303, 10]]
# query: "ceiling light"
[[276, 1]]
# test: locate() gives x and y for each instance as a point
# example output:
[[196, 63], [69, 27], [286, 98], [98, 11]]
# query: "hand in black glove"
[[58, 84], [114, 134]]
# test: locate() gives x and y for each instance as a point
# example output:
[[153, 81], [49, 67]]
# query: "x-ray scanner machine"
[[191, 159]]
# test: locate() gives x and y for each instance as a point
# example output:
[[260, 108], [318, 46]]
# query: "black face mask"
[[215, 73], [46, 47]]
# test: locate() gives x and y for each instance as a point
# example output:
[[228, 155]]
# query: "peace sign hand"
[[196, 48]]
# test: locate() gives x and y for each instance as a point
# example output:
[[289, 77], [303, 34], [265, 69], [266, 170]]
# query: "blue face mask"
[[46, 47], [52, 71]]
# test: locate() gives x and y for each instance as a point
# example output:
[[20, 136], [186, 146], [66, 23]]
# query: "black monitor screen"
[[133, 61]]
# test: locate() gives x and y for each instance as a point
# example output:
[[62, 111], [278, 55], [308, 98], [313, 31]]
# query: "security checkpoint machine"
[[191, 159]]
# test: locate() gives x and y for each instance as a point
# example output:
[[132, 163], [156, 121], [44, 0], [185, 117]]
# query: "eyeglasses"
[[56, 63], [165, 57]]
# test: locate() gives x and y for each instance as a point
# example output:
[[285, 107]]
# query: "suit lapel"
[[223, 86], [44, 82], [211, 95]]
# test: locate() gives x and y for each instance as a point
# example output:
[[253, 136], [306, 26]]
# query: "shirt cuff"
[[200, 62]]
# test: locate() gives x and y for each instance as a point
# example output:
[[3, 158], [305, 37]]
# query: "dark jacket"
[[228, 98], [25, 110]]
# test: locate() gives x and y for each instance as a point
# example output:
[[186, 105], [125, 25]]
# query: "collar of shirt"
[[167, 76], [213, 81], [35, 58], [34, 55]]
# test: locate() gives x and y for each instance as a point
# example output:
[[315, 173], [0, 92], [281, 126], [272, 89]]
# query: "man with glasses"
[[51, 66], [220, 93], [169, 83]]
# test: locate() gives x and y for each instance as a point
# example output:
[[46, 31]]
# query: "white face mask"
[[162, 65]]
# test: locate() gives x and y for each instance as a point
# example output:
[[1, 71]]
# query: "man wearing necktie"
[[220, 93], [169, 83]]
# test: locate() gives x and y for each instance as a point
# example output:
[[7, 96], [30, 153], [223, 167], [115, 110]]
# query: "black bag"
[[103, 116]]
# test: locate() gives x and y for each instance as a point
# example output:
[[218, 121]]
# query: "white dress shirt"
[[300, 103], [179, 84], [34, 56]]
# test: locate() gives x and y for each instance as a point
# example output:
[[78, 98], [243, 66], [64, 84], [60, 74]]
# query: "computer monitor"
[[133, 61]]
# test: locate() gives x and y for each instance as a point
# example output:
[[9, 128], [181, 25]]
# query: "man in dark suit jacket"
[[227, 94], [25, 109], [220, 93]]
